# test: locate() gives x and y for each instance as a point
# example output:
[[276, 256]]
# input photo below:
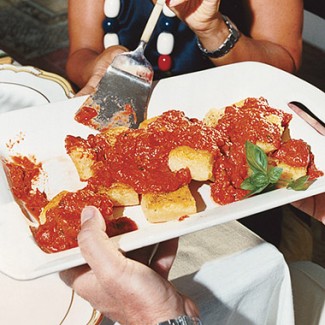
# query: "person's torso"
[[185, 56]]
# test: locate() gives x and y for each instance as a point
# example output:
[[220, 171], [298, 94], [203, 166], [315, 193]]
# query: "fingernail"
[[87, 213]]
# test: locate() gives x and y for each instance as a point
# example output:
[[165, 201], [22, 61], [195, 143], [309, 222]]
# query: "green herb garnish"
[[263, 176], [300, 184]]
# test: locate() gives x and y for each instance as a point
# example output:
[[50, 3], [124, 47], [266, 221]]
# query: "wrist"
[[214, 33], [215, 30], [211, 50]]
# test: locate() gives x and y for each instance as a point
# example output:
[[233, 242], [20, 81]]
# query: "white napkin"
[[252, 287]]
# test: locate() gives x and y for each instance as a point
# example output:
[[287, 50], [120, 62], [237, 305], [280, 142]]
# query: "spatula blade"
[[122, 95], [121, 100]]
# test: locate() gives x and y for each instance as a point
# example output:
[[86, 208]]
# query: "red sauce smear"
[[62, 225], [22, 171], [183, 218], [85, 115], [296, 153], [63, 221]]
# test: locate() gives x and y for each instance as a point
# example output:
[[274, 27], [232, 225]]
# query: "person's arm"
[[275, 30], [122, 289], [87, 60]]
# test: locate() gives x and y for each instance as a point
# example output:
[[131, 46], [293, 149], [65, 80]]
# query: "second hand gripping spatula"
[[122, 95]]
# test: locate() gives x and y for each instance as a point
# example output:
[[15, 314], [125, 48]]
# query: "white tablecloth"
[[243, 281], [250, 288]]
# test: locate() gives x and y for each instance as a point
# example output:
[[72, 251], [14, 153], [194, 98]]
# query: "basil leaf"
[[256, 157], [247, 185], [300, 184], [259, 179], [258, 190], [253, 185], [274, 174]]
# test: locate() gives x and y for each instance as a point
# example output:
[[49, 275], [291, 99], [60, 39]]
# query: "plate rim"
[[40, 73]]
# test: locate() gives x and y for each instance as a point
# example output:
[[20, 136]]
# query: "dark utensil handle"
[[308, 111], [312, 119]]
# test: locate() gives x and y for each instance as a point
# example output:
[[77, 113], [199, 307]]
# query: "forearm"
[[80, 66], [273, 32], [249, 49]]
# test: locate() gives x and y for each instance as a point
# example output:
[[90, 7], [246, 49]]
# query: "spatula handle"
[[152, 21]]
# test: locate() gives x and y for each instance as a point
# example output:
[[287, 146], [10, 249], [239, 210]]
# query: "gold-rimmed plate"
[[46, 300], [25, 86]]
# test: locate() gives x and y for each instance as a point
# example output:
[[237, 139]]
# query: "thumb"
[[95, 246], [91, 218]]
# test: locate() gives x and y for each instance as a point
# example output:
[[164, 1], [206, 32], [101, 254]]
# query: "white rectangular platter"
[[40, 131]]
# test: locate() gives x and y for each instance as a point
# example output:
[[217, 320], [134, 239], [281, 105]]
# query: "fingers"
[[70, 276], [97, 249], [92, 234], [104, 260], [91, 86], [102, 63], [87, 90], [164, 257], [142, 255], [159, 257], [313, 206]]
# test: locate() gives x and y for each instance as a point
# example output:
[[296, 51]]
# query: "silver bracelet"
[[226, 46], [182, 320]]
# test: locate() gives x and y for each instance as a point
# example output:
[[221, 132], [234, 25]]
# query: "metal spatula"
[[123, 93]]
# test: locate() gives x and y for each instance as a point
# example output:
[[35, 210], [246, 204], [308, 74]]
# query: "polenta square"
[[161, 207]]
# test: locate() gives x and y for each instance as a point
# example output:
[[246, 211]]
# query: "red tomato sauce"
[[229, 172], [22, 171], [236, 126], [296, 153], [250, 123], [139, 157], [63, 220], [62, 225], [85, 115]]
